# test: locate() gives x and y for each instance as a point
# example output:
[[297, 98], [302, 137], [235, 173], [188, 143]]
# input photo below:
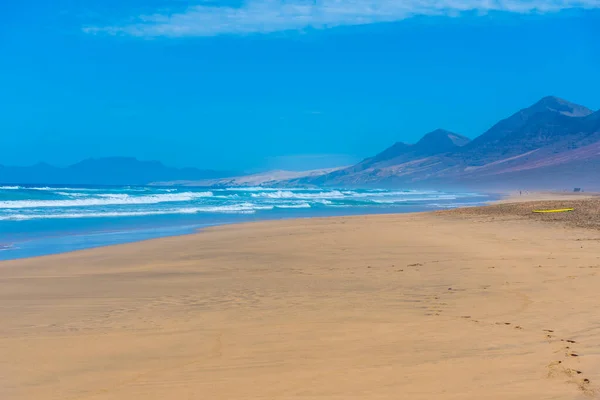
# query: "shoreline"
[[151, 233], [46, 244], [501, 198], [485, 303]]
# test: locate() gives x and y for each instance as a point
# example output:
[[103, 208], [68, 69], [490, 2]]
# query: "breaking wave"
[[20, 203], [244, 208], [105, 199], [33, 217], [288, 194]]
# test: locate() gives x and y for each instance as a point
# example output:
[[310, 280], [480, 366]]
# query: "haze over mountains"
[[551, 144]]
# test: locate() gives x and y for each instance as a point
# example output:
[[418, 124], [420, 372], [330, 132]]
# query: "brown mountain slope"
[[552, 137]]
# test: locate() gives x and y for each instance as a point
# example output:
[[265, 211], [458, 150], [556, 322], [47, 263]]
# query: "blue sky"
[[259, 84]]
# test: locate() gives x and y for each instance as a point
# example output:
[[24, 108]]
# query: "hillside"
[[380, 168], [553, 143]]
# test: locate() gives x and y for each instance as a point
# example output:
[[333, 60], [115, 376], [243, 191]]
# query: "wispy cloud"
[[265, 16]]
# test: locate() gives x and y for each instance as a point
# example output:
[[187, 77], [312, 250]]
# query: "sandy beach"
[[490, 303]]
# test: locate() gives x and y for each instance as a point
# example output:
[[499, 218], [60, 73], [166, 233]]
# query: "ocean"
[[41, 220]]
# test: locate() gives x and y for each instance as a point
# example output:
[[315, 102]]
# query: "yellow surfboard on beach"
[[554, 211]]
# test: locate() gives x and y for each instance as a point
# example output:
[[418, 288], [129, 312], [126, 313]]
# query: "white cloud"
[[264, 16]]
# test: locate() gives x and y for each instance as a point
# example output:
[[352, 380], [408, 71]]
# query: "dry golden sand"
[[457, 305]]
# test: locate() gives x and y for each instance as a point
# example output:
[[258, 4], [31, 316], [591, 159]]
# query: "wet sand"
[[468, 304]]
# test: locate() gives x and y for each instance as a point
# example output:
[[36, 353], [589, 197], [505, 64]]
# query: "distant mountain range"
[[104, 171], [552, 144]]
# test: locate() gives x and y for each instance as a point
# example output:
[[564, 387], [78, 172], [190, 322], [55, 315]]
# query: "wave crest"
[[288, 194], [120, 199]]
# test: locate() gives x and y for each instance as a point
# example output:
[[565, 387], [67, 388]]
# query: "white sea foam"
[[287, 194], [64, 189], [235, 208], [379, 193], [72, 203], [103, 201], [296, 205], [411, 199], [259, 189], [72, 194], [351, 194], [325, 202], [243, 208], [114, 195], [226, 196], [24, 217]]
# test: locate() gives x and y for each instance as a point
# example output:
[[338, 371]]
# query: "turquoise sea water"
[[40, 220]]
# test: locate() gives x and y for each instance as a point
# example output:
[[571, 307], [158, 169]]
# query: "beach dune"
[[415, 306]]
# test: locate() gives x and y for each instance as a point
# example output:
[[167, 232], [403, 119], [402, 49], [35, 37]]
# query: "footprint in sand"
[[558, 368], [585, 386]]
